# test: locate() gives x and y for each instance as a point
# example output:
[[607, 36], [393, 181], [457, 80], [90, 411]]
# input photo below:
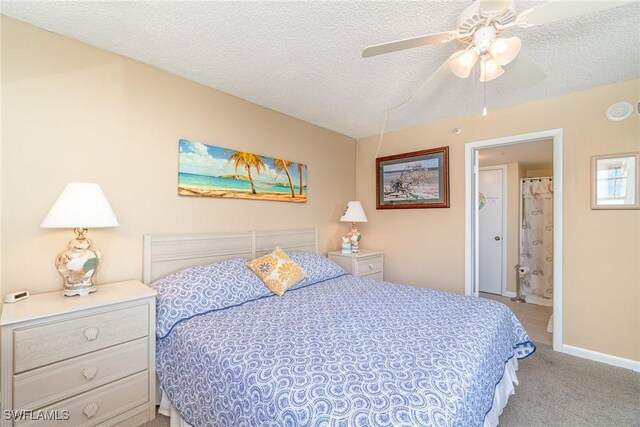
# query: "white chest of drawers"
[[369, 264], [80, 361]]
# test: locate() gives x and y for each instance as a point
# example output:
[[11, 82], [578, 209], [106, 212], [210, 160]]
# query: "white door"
[[490, 241]]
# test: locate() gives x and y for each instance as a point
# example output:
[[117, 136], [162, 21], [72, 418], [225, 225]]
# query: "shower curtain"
[[536, 239]]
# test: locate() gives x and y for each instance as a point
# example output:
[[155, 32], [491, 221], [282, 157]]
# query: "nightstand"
[[365, 263], [80, 360]]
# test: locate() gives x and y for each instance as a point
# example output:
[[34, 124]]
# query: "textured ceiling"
[[304, 58]]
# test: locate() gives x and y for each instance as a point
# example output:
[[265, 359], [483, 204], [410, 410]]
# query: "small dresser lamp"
[[354, 213], [80, 206]]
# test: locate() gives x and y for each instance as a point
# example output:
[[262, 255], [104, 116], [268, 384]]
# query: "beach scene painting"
[[419, 179], [411, 181], [210, 171]]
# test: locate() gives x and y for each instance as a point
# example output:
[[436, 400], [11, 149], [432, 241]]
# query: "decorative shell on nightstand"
[[90, 409], [91, 333], [90, 372]]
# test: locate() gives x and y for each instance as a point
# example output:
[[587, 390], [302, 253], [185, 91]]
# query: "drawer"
[[343, 262], [42, 386], [96, 406], [374, 276], [366, 266], [51, 342]]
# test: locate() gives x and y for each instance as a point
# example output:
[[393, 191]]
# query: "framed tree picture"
[[415, 180]]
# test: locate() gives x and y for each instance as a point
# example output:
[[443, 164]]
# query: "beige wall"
[[540, 172], [72, 112], [425, 247], [513, 224], [521, 174]]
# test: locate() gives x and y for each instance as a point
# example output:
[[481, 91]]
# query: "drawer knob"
[[90, 372], [91, 333], [90, 409], [370, 266]]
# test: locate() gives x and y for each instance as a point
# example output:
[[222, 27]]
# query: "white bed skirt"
[[167, 409], [504, 389]]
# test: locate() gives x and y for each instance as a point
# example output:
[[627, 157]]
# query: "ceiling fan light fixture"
[[490, 69], [499, 46], [462, 64], [469, 58], [483, 37], [479, 27], [505, 50]]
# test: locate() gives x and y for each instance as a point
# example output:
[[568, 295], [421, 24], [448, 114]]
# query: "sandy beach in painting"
[[418, 192], [192, 190]]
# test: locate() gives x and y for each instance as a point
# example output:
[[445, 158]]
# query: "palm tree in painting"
[[300, 167], [248, 160], [284, 165]]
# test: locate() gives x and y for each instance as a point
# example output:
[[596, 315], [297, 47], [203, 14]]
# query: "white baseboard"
[[509, 294], [609, 359]]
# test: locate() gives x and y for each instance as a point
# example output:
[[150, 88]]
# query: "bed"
[[335, 350]]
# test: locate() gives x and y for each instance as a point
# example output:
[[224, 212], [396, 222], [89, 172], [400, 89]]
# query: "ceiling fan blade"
[[432, 82], [380, 49], [524, 71], [492, 7], [558, 10]]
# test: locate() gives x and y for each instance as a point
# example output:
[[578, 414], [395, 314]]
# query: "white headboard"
[[165, 254]]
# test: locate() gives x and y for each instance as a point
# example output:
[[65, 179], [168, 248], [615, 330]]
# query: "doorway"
[[515, 203], [476, 269]]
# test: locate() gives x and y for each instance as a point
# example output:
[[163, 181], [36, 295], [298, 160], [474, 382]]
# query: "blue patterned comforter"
[[344, 352]]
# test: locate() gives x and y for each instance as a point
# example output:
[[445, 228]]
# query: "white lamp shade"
[[354, 213], [461, 64], [489, 70], [505, 50], [81, 205]]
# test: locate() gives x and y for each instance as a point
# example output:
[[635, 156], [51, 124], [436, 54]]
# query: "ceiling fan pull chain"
[[484, 91]]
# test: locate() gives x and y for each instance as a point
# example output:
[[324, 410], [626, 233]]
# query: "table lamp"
[[354, 213], [80, 206]]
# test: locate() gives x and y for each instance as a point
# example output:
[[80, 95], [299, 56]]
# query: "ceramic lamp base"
[[78, 266], [71, 292], [354, 238]]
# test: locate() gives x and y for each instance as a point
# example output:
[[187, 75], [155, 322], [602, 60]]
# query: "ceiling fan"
[[480, 27]]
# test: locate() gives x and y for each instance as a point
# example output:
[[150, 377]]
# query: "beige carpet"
[[561, 390]]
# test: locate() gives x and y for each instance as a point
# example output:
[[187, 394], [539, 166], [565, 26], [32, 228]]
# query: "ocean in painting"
[[232, 184]]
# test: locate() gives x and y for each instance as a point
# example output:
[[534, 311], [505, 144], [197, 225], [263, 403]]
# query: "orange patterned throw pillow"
[[277, 271]]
